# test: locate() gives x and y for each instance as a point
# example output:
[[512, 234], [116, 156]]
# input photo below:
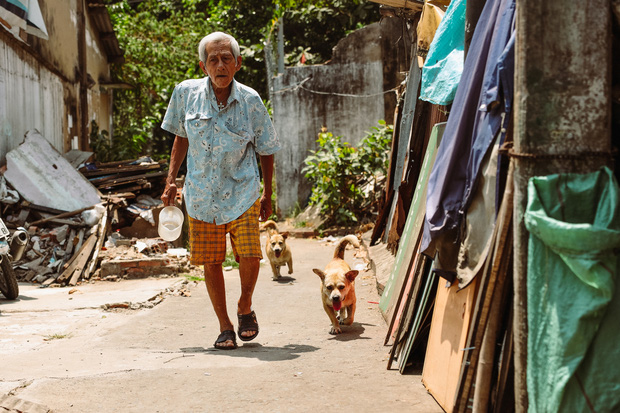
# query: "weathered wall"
[[346, 96], [31, 97], [39, 81]]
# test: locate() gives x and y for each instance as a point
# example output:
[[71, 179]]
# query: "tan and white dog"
[[338, 286], [276, 250]]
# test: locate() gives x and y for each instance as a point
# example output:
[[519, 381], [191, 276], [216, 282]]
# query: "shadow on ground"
[[256, 350]]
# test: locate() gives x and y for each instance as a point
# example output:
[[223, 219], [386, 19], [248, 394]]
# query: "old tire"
[[8, 283]]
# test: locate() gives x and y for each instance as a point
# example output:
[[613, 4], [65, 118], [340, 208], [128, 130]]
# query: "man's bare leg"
[[214, 279], [248, 271]]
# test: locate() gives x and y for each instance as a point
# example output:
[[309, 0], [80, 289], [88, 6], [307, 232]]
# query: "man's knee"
[[212, 268]]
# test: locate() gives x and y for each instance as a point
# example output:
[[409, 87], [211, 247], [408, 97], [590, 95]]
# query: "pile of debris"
[[117, 178], [76, 232]]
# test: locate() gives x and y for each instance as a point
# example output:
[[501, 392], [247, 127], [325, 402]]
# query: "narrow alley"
[[79, 357]]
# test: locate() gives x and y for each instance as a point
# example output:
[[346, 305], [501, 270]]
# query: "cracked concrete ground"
[[65, 353]]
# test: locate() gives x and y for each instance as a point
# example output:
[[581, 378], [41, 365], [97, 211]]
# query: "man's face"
[[221, 65]]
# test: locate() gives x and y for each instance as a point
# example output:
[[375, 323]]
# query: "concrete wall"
[[345, 96], [39, 81]]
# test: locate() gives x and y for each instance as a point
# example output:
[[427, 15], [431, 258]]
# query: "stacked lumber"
[[125, 176]]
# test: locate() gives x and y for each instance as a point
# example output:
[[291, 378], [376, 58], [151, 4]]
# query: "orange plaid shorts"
[[207, 241]]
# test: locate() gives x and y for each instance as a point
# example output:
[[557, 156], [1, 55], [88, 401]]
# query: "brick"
[[153, 263]]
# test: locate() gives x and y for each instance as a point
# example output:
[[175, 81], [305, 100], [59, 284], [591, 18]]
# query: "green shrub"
[[345, 179]]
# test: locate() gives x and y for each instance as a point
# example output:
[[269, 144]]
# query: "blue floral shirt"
[[222, 179]]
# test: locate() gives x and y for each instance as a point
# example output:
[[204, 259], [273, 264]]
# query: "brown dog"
[[338, 286], [276, 250]]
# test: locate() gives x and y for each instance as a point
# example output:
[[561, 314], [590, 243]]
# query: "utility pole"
[[562, 119]]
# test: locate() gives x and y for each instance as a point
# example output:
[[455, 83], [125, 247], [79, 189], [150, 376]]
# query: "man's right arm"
[[179, 151]]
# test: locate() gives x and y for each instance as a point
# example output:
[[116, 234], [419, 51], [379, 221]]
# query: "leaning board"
[[413, 227], [447, 338]]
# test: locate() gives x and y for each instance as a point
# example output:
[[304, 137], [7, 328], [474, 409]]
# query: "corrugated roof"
[[101, 20]]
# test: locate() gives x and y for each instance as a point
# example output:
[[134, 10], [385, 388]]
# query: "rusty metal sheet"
[[44, 177]]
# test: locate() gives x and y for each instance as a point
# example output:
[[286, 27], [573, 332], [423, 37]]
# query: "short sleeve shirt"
[[222, 179]]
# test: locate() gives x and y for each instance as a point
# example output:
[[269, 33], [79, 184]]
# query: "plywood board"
[[447, 338], [413, 227]]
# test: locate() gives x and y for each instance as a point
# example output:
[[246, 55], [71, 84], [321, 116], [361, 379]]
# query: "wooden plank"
[[80, 262], [396, 326], [428, 279], [49, 281], [409, 308], [405, 292], [447, 338], [41, 208], [121, 170], [69, 247], [413, 226], [80, 240], [86, 249], [409, 111], [491, 280], [103, 230], [69, 222], [129, 179], [63, 215]]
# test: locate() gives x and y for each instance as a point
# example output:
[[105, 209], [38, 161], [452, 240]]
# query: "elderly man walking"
[[220, 125]]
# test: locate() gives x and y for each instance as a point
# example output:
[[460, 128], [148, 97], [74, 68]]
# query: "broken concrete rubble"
[[109, 236]]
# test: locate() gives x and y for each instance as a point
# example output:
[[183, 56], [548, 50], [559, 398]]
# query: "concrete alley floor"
[[63, 352]]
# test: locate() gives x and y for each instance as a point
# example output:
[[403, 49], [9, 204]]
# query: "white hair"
[[214, 37]]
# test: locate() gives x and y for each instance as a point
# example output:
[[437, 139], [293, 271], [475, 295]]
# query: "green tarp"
[[573, 349]]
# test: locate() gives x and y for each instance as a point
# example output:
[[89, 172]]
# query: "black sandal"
[[224, 337], [247, 322]]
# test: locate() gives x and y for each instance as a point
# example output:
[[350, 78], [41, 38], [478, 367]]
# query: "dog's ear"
[[320, 273], [284, 234], [351, 275]]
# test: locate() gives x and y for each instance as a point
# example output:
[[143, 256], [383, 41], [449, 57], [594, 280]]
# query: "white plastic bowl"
[[170, 223]]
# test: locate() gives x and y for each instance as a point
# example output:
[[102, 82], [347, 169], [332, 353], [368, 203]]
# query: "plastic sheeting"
[[573, 302], [444, 63]]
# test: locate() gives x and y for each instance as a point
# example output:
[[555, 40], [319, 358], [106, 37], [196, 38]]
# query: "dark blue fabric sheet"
[[477, 115]]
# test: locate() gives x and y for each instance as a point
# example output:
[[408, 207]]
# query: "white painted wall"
[[31, 97]]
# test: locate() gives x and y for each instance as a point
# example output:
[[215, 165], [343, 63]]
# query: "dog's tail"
[[270, 226], [342, 245]]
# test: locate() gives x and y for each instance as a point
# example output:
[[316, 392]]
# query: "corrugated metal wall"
[[31, 97]]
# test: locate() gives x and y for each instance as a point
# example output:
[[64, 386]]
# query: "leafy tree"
[[160, 39]]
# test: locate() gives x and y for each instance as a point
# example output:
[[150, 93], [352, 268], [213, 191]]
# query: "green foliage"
[[315, 27], [100, 143], [160, 39], [107, 150], [230, 260], [345, 178]]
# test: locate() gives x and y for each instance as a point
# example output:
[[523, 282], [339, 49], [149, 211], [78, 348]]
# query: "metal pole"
[[281, 44], [562, 118]]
